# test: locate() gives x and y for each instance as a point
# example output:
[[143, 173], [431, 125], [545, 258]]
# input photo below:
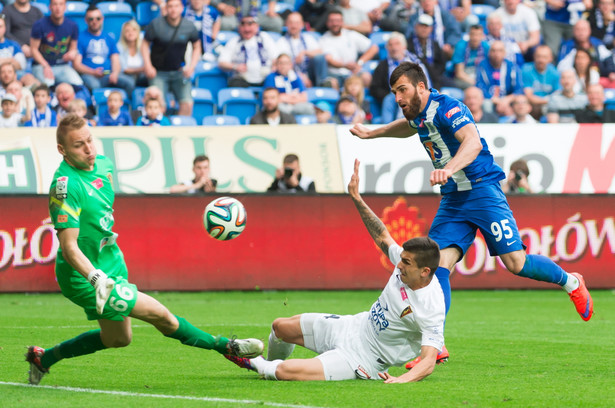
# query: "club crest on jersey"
[[452, 112], [406, 311], [110, 178], [97, 184], [62, 187]]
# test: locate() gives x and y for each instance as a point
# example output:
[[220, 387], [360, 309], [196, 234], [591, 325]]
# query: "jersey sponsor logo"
[[404, 295], [377, 317], [62, 187], [406, 312], [97, 184], [452, 112], [459, 121], [62, 218]]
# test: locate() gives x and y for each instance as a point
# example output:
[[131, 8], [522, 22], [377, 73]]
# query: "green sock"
[[86, 343], [191, 336]]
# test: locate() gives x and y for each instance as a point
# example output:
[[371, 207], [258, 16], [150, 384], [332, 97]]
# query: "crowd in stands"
[[301, 61]]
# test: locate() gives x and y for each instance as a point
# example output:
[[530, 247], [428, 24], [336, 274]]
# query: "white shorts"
[[337, 341]]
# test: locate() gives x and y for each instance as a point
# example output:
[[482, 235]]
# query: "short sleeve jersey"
[[403, 320], [96, 50], [84, 199], [55, 39], [436, 126]]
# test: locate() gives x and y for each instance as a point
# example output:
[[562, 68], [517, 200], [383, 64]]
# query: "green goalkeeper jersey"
[[84, 199]]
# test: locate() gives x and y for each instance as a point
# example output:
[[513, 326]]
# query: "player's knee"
[[118, 342], [277, 327]]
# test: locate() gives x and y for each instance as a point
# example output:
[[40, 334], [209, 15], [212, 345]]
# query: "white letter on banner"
[[18, 171]]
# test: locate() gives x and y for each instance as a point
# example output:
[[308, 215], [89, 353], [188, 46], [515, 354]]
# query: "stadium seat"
[[220, 120], [204, 104], [380, 38], [370, 66], [375, 108], [100, 95], [239, 102], [44, 8], [482, 11], [137, 98], [207, 75], [146, 12], [224, 36], [452, 92], [181, 120], [314, 34], [116, 14], [75, 10], [609, 98], [274, 36], [280, 7], [305, 119], [317, 94]]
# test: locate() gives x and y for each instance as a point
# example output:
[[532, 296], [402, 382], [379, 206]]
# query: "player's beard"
[[414, 107]]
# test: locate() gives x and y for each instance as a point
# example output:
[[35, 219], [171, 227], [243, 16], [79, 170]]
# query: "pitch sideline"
[[163, 396]]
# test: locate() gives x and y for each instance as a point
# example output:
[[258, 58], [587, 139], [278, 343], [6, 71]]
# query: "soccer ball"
[[224, 218]]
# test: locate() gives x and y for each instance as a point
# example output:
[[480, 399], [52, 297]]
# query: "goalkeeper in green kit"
[[90, 267]]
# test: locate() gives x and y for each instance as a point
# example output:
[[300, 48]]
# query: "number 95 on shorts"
[[120, 303]]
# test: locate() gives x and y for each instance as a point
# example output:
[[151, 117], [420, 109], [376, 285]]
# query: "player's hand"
[[440, 176], [103, 285], [353, 185], [360, 131], [389, 379]]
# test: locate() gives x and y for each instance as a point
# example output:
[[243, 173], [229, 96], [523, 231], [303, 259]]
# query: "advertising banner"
[[303, 242]]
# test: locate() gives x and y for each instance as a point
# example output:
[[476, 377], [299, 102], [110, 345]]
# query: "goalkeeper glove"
[[103, 285]]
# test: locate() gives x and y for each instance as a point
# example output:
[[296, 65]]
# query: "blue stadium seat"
[[204, 104], [609, 98], [380, 38], [314, 34], [239, 102], [44, 8], [482, 11], [274, 36], [137, 98], [280, 7], [221, 120], [181, 120], [116, 14], [224, 36], [317, 94], [146, 12], [375, 108], [305, 119], [207, 75], [370, 66], [100, 95], [75, 10], [452, 92]]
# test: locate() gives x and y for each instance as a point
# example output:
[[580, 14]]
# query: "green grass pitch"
[[508, 349]]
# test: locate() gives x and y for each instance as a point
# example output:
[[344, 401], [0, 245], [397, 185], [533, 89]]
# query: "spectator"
[[7, 75], [521, 24], [348, 111], [565, 102], [540, 79], [153, 92], [397, 15], [495, 32], [289, 179], [78, 107], [602, 22], [202, 183], [98, 60], [468, 54], [305, 52], [499, 79], [595, 111], [20, 16], [517, 180], [521, 109], [206, 19], [461, 10], [373, 8], [315, 13], [355, 87], [560, 16], [586, 71], [423, 45], [342, 48], [293, 96], [582, 39], [114, 115], [10, 117], [323, 112], [168, 36], [129, 49], [250, 56], [232, 9], [446, 31], [153, 114], [474, 99], [607, 72], [9, 49], [354, 18], [25, 100], [65, 93], [53, 44], [271, 114], [42, 115]]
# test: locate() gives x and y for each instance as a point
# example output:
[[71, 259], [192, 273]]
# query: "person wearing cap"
[[323, 112], [10, 117], [468, 54], [446, 31], [271, 114], [348, 111]]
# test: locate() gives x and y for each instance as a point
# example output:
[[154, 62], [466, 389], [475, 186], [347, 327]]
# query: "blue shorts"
[[484, 208]]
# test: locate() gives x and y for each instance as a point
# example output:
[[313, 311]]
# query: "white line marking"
[[134, 325], [164, 396]]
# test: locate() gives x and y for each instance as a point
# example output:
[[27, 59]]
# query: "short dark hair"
[[290, 158], [92, 7], [410, 70], [425, 250], [42, 88], [520, 165], [334, 11], [199, 158]]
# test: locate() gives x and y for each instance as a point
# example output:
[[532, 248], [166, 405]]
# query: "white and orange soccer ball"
[[224, 218]]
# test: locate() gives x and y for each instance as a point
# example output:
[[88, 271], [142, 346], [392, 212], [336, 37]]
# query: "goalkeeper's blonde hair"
[[68, 123]]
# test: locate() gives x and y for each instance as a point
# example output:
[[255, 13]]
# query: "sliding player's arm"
[[398, 128], [374, 225], [419, 371]]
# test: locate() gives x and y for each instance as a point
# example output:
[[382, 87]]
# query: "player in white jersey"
[[406, 321]]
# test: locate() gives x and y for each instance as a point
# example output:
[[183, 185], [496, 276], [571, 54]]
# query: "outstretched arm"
[[420, 371], [397, 128], [374, 225]]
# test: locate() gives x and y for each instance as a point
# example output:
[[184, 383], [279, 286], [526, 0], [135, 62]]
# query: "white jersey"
[[402, 320]]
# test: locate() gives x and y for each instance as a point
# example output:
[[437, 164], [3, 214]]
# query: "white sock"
[[571, 284], [265, 368], [278, 349]]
